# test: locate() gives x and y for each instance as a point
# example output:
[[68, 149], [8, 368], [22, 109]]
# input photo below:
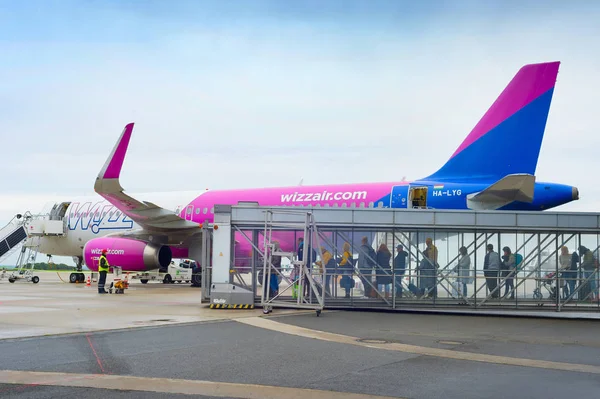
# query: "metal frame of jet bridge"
[[430, 279]]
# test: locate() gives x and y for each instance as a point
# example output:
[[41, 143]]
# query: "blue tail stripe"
[[511, 147]]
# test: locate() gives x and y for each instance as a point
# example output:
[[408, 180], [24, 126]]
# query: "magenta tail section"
[[508, 137]]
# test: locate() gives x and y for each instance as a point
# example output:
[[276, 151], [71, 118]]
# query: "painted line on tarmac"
[[265, 323], [172, 386]]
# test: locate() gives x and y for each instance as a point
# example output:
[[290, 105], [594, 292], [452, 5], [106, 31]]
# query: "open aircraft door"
[[417, 196]]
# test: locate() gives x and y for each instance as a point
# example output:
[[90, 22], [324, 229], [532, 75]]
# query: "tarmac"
[[157, 341]]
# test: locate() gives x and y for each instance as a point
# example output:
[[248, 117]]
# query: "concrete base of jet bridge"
[[229, 296], [537, 284]]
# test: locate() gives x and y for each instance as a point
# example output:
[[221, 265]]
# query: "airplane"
[[492, 169]]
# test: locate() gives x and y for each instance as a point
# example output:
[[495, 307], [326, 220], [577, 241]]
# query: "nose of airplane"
[[575, 193]]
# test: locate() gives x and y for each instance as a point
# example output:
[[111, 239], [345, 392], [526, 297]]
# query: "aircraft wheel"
[[35, 279], [144, 281], [81, 277], [11, 280], [167, 279], [73, 278], [197, 280]]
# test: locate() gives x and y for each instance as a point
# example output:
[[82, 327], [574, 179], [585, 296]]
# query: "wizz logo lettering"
[[96, 217], [324, 196], [98, 251]]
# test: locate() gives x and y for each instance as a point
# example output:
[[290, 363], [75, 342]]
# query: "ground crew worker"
[[103, 270]]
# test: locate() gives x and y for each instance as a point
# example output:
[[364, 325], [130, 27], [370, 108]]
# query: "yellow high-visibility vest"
[[103, 268]]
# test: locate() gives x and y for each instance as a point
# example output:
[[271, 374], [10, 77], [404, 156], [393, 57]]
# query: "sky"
[[236, 94]]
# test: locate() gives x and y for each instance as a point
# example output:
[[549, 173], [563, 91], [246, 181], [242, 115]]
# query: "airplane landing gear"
[[77, 277]]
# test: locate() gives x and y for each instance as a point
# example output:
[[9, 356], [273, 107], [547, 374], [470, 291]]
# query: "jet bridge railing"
[[433, 272]]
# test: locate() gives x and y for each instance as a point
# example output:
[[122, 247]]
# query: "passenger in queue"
[[384, 270], [428, 269], [326, 266], [399, 268], [366, 262], [509, 268], [564, 264], [276, 260], [588, 266], [571, 274], [464, 269], [310, 258], [491, 268], [271, 286], [346, 264]]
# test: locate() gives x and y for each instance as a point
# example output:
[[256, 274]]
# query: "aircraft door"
[[399, 198], [417, 197]]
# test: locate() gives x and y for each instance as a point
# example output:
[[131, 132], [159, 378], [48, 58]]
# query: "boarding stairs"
[[12, 237]]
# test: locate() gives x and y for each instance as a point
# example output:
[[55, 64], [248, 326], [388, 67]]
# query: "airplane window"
[[212, 210], [344, 205], [118, 214], [353, 205], [205, 210], [335, 205], [362, 204], [380, 204], [198, 211], [371, 204], [326, 206]]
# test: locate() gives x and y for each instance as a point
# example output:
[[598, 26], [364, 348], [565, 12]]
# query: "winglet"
[[114, 163]]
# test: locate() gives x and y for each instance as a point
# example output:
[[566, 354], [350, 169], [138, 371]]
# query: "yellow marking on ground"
[[173, 386], [270, 324]]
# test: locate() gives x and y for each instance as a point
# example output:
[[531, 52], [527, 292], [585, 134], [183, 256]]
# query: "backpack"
[[518, 260]]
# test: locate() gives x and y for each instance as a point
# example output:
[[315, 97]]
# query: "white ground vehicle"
[[174, 273]]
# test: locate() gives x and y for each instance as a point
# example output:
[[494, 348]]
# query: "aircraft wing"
[[516, 187], [151, 217]]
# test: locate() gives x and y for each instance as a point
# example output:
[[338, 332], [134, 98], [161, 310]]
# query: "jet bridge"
[[443, 263]]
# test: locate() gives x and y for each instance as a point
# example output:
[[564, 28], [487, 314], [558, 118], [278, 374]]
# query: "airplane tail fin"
[[114, 162], [508, 138]]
